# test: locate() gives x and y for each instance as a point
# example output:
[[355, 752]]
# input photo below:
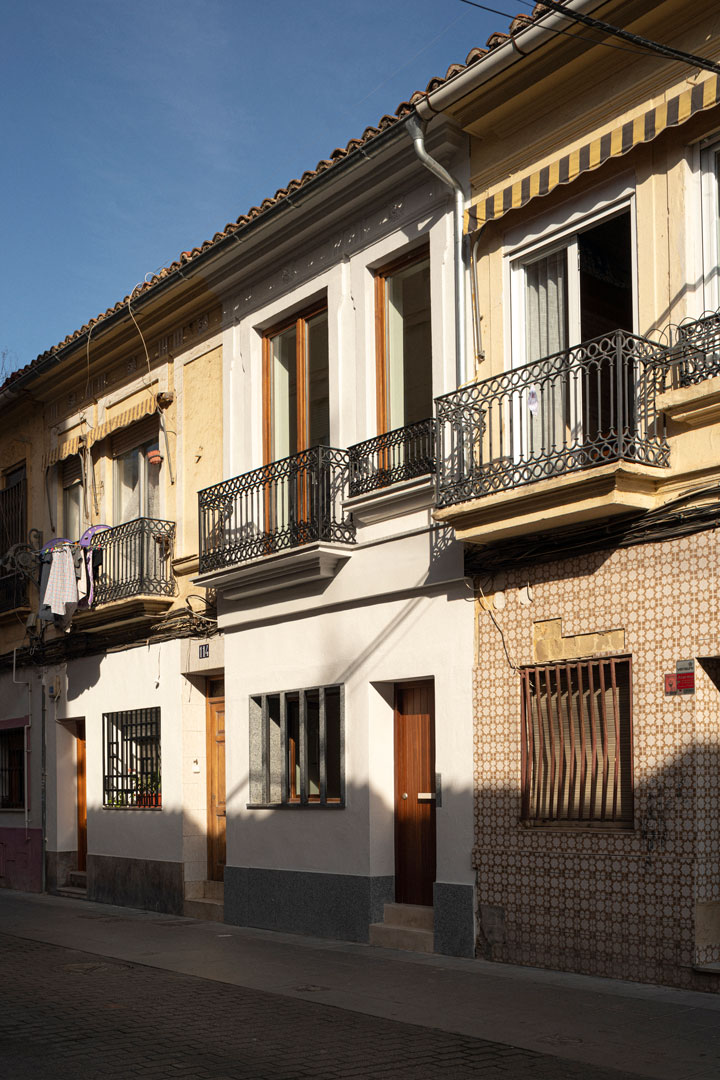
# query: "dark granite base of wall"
[[58, 865], [454, 919], [140, 883], [338, 906]]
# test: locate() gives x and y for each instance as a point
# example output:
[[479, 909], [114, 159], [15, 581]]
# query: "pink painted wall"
[[21, 859]]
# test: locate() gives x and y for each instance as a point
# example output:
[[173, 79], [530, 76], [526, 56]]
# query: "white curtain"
[[545, 430], [546, 306]]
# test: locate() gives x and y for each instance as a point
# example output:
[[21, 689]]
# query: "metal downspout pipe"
[[416, 130]]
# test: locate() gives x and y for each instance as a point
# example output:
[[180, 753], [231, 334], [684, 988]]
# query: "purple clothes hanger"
[[89, 533]]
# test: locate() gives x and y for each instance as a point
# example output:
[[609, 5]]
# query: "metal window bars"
[[579, 408], [394, 456], [131, 759], [136, 560], [12, 769], [13, 504], [297, 500]]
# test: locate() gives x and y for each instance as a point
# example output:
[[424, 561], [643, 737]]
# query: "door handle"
[[404, 795], [426, 795]]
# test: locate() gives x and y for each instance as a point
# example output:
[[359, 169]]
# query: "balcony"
[[695, 350], [393, 457], [573, 436], [136, 560], [287, 504], [13, 584]]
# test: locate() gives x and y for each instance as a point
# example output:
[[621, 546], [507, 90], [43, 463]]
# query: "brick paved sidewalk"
[[65, 1013]]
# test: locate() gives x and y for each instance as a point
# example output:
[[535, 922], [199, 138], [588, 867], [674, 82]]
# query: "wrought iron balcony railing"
[[136, 560], [280, 506], [397, 455], [577, 409], [695, 350]]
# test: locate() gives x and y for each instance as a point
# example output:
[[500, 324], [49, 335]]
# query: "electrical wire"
[[142, 337], [636, 39], [557, 30], [488, 608]]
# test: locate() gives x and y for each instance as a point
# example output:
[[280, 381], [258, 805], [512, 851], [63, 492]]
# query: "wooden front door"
[[216, 778], [414, 793], [81, 796]]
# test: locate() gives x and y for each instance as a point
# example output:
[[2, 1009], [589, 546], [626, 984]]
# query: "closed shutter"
[[577, 742], [144, 431], [71, 471]]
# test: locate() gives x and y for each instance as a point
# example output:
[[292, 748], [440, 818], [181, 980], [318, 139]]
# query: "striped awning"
[[64, 450], [614, 143], [124, 419]]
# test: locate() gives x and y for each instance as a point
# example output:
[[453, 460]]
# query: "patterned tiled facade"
[[640, 904]]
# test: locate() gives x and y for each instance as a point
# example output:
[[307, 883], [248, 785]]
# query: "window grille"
[[297, 748], [12, 769], [577, 743], [131, 742]]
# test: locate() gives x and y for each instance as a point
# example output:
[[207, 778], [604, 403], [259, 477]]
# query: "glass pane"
[[151, 508], [408, 346], [284, 394], [127, 487], [546, 306], [312, 726], [316, 345], [332, 742], [293, 745], [72, 511]]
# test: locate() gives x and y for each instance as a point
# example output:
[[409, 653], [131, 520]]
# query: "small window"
[[577, 744], [296, 748], [132, 759], [12, 769]]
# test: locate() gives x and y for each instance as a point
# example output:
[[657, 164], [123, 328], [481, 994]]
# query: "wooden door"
[[216, 779], [81, 796], [414, 793]]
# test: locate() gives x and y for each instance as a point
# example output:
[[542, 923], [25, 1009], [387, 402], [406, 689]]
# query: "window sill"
[[134, 809], [296, 806], [581, 826]]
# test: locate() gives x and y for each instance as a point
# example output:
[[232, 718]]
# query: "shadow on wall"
[[639, 903]]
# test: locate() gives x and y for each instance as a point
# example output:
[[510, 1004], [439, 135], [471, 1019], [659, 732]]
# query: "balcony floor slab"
[[301, 566], [605, 491]]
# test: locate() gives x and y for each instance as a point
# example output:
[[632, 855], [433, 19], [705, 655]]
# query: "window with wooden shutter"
[[577, 743], [72, 476]]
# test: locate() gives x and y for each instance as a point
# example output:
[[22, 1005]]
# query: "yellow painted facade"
[[111, 386]]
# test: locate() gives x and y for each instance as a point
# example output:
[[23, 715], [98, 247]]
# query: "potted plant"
[[148, 791]]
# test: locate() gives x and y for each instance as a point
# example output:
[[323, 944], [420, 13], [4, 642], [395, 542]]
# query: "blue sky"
[[132, 131]]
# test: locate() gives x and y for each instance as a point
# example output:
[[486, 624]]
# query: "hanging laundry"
[[61, 591]]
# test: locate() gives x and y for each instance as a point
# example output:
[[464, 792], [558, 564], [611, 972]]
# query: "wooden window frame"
[[381, 361], [558, 773], [299, 321]]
